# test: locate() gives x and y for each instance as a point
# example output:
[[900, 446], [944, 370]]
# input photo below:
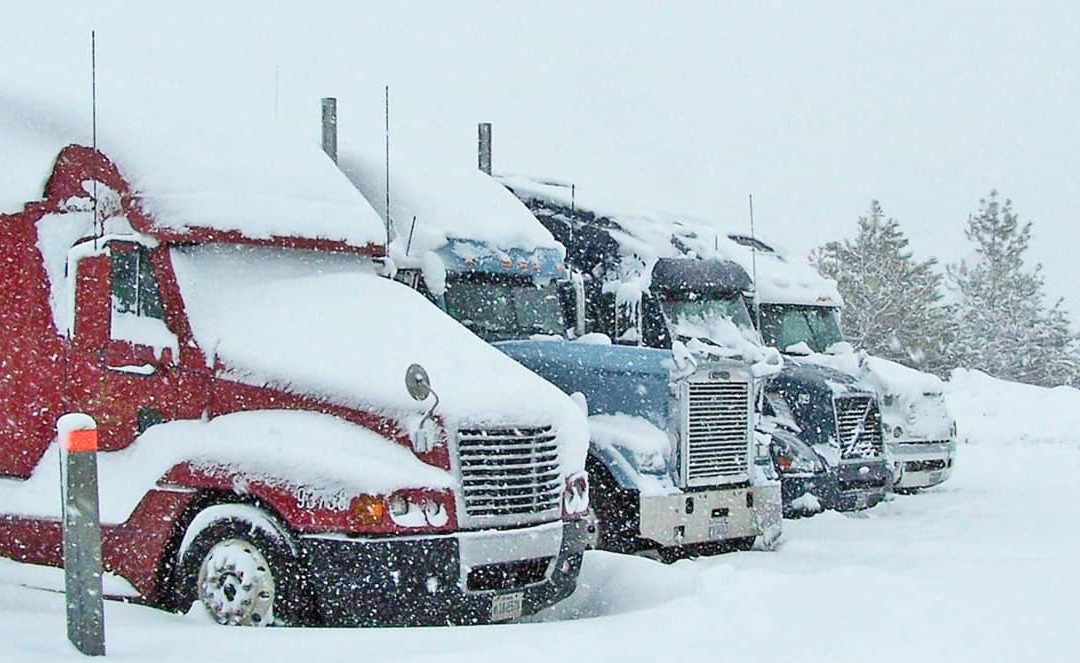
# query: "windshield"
[[785, 325], [701, 311], [503, 310]]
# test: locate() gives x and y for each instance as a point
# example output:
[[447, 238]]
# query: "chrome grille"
[[510, 472], [717, 432], [858, 426]]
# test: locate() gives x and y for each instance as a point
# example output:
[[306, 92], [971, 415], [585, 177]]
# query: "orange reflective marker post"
[[77, 434]]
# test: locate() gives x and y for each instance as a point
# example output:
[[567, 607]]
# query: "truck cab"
[[919, 433], [264, 447], [671, 454], [701, 297]]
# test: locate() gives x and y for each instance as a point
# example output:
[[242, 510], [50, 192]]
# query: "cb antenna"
[[93, 128], [753, 265], [386, 108]]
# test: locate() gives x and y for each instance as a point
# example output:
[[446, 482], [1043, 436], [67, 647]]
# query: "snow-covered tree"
[[1000, 323], [892, 302]]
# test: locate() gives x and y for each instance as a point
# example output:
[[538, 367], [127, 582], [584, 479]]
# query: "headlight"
[[415, 508], [791, 455], [576, 494]]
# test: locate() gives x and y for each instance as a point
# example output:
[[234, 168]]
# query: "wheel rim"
[[236, 585]]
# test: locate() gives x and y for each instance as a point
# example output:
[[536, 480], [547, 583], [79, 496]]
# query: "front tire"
[[244, 570]]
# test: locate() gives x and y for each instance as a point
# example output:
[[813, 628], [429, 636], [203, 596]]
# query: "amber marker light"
[[369, 509]]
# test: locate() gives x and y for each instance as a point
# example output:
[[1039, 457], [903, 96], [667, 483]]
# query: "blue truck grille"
[[717, 432], [510, 472], [858, 426]]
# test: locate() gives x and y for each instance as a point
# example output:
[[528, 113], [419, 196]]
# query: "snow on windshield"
[[327, 326]]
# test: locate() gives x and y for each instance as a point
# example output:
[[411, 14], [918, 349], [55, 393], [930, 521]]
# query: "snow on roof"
[[782, 280], [323, 325], [223, 173], [660, 234], [449, 199]]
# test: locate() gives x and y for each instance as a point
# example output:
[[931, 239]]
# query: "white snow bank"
[[233, 174], [993, 411], [447, 199], [323, 460], [326, 326], [52, 579]]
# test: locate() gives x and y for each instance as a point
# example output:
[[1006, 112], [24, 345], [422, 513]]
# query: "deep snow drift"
[[981, 568]]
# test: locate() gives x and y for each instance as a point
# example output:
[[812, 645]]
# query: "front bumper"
[[856, 484], [700, 516], [441, 579], [921, 463], [794, 489]]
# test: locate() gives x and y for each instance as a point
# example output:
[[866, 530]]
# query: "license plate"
[[506, 606], [717, 528], [860, 501]]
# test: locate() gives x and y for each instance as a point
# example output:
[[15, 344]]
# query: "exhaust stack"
[[329, 127], [484, 156]]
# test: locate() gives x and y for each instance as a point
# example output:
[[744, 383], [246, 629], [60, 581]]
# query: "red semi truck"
[[259, 451]]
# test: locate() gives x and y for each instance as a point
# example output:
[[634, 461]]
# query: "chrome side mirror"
[[417, 382], [418, 385]]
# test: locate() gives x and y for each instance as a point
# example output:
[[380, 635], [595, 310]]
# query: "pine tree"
[[1000, 324], [892, 302]]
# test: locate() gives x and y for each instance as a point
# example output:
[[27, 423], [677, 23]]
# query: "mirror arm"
[[431, 411]]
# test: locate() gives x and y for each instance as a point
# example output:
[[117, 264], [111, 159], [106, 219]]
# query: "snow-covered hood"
[[912, 402], [327, 326], [616, 379]]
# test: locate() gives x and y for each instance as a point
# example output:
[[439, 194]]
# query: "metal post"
[[329, 127], [77, 435], [484, 157]]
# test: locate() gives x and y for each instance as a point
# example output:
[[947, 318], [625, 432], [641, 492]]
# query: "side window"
[[134, 286]]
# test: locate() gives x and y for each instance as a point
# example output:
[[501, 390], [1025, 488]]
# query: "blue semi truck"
[[675, 467], [826, 427], [804, 323]]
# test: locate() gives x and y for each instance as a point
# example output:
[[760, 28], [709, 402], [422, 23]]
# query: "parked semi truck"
[[672, 451], [825, 427], [265, 448], [920, 434]]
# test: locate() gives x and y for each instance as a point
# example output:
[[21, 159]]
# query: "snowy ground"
[[981, 569]]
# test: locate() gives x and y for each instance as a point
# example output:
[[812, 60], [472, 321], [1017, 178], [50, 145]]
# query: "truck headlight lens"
[[792, 455], [576, 494], [420, 508]]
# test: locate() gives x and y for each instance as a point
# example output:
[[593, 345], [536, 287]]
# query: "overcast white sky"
[[815, 108]]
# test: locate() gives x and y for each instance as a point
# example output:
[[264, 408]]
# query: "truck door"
[[123, 369]]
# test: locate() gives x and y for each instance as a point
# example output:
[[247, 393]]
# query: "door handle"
[[134, 369]]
